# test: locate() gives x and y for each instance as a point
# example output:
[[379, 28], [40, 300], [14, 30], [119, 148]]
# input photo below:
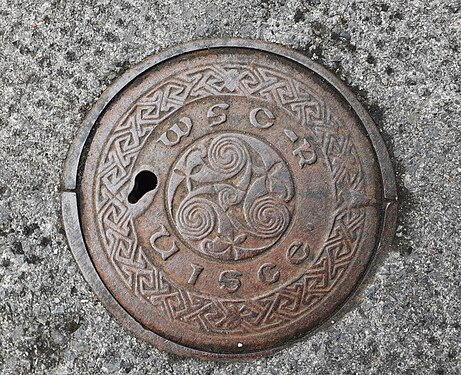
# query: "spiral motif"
[[227, 155], [268, 217], [229, 196], [195, 218]]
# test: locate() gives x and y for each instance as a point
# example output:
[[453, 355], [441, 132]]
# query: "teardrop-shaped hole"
[[144, 182]]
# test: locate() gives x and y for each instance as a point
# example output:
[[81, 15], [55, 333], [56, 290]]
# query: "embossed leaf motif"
[[214, 246], [196, 169], [191, 166], [240, 239], [279, 182], [179, 172], [223, 246]]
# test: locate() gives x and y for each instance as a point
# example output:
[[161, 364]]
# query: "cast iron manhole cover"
[[226, 197]]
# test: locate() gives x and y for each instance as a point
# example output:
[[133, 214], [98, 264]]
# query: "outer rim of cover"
[[69, 186]]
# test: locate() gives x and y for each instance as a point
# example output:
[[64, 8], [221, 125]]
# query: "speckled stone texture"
[[402, 58]]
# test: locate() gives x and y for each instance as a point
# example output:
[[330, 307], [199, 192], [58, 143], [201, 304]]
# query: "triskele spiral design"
[[195, 218], [227, 155], [230, 196], [268, 217]]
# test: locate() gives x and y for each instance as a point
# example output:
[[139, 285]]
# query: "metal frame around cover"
[[70, 213]]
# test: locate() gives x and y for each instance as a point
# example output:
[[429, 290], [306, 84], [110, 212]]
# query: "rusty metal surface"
[[232, 197]]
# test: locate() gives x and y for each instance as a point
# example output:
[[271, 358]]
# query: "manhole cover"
[[226, 197]]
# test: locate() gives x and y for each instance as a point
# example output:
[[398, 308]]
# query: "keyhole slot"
[[144, 182]]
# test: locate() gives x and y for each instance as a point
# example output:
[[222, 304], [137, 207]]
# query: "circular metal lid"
[[227, 197]]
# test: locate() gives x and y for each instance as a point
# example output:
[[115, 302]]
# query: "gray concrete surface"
[[403, 60]]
